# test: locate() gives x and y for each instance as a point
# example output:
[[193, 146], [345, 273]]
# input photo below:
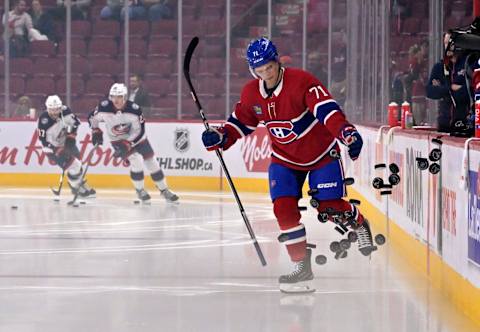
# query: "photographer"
[[448, 83]]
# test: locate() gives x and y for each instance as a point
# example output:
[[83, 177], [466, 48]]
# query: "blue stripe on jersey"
[[245, 130], [303, 123], [322, 110]]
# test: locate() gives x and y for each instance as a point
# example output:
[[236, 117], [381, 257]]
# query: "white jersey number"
[[317, 89]]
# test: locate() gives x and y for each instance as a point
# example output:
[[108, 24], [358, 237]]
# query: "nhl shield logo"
[[182, 139]]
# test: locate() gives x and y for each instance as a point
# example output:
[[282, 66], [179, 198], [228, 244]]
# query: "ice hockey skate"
[[365, 241], [169, 196], [143, 196], [299, 281], [84, 191]]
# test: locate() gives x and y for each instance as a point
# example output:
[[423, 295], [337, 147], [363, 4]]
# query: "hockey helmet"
[[53, 102], [118, 89], [261, 51]]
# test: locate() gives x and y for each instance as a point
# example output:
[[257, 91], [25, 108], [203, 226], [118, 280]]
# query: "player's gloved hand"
[[97, 136], [352, 139], [122, 148], [214, 138]]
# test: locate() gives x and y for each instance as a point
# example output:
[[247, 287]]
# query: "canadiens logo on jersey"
[[121, 129], [281, 131]]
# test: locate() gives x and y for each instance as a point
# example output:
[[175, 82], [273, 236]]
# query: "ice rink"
[[111, 265]]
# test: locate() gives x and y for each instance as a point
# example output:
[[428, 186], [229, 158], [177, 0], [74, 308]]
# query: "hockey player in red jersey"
[[304, 124]]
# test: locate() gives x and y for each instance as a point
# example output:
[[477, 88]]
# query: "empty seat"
[[107, 47], [77, 86], [136, 47], [211, 66], [162, 47], [42, 47], [21, 67], [98, 86], [160, 86], [82, 106], [106, 28], [81, 29], [137, 29], [161, 67], [48, 67], [42, 86], [164, 28], [105, 67], [78, 46], [411, 25], [17, 86]]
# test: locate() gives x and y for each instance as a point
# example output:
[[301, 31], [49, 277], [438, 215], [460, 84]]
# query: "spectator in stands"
[[24, 108], [114, 10], [21, 29], [79, 10], [138, 94], [158, 10], [447, 83], [42, 21]]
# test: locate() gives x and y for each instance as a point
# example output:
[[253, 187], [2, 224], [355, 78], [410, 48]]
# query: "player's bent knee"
[[286, 211]]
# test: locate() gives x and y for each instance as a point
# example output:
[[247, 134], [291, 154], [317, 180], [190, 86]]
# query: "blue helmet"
[[261, 51]]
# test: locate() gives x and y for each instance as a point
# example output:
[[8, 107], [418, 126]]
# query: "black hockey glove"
[[97, 136], [122, 149]]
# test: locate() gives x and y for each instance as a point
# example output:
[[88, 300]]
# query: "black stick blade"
[[188, 54]]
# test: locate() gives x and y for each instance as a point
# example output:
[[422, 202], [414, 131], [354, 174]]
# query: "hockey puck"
[[380, 166], [345, 244], [394, 168], [321, 259], [136, 201], [437, 141], [14, 207], [352, 237], [380, 239], [75, 204], [386, 192], [83, 202], [335, 246], [56, 199], [349, 181]]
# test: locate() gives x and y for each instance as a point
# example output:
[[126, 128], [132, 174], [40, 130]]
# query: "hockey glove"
[[214, 138], [97, 136], [352, 139], [122, 148]]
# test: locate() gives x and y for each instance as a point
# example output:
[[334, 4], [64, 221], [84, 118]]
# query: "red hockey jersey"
[[302, 118]]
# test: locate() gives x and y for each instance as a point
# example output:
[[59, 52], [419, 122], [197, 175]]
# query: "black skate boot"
[[365, 241], [168, 195], [143, 196], [297, 281], [85, 191]]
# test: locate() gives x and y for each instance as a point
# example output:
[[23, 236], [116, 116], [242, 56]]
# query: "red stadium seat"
[[82, 106], [82, 29], [162, 47], [40, 86], [136, 47], [21, 67], [106, 47], [106, 28], [50, 67], [78, 46], [211, 66], [137, 29], [77, 86], [160, 86], [164, 28], [104, 67], [160, 67], [98, 86], [42, 47], [17, 86]]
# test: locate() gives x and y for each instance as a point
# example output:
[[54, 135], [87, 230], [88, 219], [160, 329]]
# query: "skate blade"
[[302, 287], [138, 201]]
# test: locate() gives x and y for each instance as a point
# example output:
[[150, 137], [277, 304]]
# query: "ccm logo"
[[326, 185]]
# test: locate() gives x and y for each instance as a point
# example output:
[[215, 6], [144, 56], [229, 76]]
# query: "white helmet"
[[53, 102], [118, 89]]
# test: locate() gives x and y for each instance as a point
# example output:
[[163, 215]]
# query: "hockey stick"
[[82, 179], [186, 72], [57, 192]]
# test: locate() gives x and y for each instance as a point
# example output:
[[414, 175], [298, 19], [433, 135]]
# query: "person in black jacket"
[[447, 83], [138, 94]]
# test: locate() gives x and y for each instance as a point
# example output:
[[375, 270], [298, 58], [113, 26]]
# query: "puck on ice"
[[136, 202], [14, 207], [320, 259]]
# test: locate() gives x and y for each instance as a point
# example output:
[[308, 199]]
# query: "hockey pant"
[[74, 173], [143, 155], [286, 189]]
